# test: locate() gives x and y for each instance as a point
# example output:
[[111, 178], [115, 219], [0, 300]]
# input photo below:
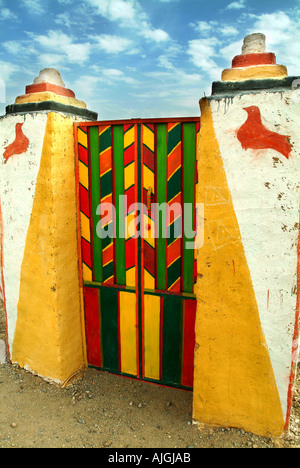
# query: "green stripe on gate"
[[189, 161], [95, 196], [109, 326], [161, 174], [118, 146], [171, 353]]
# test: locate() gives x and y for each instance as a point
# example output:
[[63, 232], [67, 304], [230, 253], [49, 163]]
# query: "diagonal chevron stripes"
[[106, 191], [174, 197], [140, 322], [84, 196], [130, 193], [148, 142]]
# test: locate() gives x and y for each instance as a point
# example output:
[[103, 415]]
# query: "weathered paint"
[[39, 251], [247, 290], [51, 246], [49, 96], [270, 179], [254, 135], [255, 72], [19, 145], [18, 180], [253, 59]]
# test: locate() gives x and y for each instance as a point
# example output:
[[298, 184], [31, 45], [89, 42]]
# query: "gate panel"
[[138, 271]]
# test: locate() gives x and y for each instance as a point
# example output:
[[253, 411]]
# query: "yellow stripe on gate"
[[83, 175], [152, 337], [82, 138], [148, 138], [129, 137], [128, 332], [85, 227], [129, 176]]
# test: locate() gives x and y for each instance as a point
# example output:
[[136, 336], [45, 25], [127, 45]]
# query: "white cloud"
[[113, 75], [230, 51], [130, 15], [115, 9], [7, 69], [201, 52], [77, 53], [53, 60], [212, 28], [156, 35], [36, 7], [64, 19], [7, 15], [170, 55], [283, 37], [238, 5], [227, 30], [113, 44], [204, 27], [13, 47], [58, 41]]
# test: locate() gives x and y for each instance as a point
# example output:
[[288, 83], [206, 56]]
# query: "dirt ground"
[[103, 410]]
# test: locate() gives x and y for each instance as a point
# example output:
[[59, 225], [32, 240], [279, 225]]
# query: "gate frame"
[[139, 290]]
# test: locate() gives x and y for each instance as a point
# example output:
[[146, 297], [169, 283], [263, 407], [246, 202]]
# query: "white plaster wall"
[[265, 194], [17, 189]]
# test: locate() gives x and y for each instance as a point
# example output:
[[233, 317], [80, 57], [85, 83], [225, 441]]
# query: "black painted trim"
[[225, 87], [50, 106]]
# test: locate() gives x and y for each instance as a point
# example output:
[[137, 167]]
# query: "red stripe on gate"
[[190, 308], [86, 252], [82, 154], [92, 326], [84, 201], [129, 154]]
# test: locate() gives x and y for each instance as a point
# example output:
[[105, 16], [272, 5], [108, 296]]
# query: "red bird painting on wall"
[[254, 135], [19, 145]]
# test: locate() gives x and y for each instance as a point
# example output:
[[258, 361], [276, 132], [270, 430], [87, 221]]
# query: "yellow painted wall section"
[[49, 335], [128, 333], [254, 73], [234, 380], [152, 337], [48, 96]]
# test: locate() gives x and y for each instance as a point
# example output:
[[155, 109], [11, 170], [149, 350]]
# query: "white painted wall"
[[266, 199], [17, 189]]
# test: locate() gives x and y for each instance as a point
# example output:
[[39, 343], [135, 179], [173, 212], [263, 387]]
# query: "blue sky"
[[138, 58]]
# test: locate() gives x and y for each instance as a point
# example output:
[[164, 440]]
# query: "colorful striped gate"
[[138, 273]]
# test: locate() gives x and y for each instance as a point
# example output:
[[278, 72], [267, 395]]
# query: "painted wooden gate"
[[138, 274]]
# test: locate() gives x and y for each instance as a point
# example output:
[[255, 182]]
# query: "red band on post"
[[42, 87], [250, 60]]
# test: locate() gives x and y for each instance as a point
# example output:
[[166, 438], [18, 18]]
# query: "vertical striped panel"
[[172, 340], [152, 337], [161, 198], [146, 336], [196, 184], [118, 144], [95, 201], [106, 184], [148, 143], [128, 333], [130, 192], [92, 326], [110, 329], [188, 343], [189, 162], [84, 203], [174, 197]]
